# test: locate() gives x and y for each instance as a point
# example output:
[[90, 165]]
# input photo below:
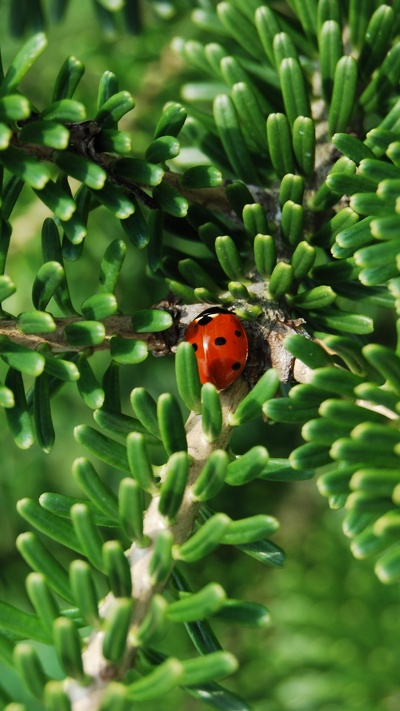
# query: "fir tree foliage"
[[289, 214]]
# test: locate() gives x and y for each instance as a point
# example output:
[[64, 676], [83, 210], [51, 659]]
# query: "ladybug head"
[[208, 314]]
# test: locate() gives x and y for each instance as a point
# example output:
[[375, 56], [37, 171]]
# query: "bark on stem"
[[119, 324]]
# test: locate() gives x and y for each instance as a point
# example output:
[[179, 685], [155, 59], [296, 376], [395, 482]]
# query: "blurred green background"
[[334, 639]]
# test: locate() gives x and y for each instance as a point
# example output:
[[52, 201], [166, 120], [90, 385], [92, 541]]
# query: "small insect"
[[220, 343]]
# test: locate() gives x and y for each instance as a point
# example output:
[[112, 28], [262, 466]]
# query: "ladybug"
[[220, 343]]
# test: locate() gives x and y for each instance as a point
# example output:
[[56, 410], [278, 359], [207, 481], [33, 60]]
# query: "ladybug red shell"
[[220, 343]]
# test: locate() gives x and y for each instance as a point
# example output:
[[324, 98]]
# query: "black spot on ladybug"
[[220, 341], [195, 347], [238, 334], [236, 366]]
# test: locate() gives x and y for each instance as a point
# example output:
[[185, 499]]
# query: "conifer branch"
[[267, 337], [101, 671], [81, 143]]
